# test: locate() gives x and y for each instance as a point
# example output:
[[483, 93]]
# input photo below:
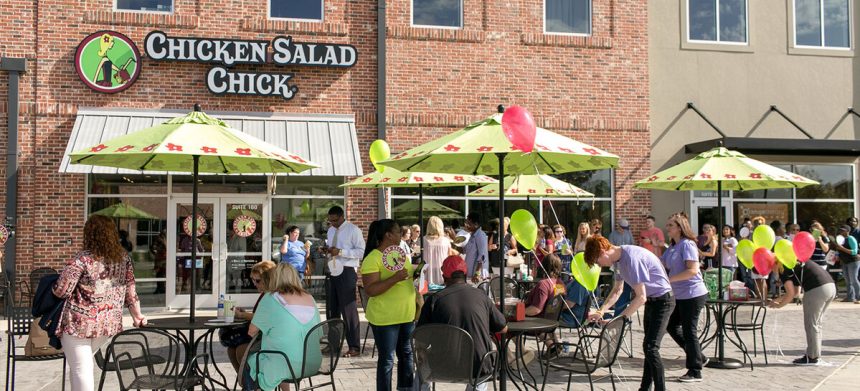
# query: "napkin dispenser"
[[515, 311]]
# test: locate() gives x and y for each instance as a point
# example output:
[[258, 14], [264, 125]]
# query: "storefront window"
[[144, 221], [234, 184], [309, 186], [127, 184], [830, 214], [405, 211], [836, 181], [145, 5], [571, 213], [598, 182], [454, 191], [771, 211], [309, 214]]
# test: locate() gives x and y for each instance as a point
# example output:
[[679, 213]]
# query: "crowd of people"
[[661, 271]]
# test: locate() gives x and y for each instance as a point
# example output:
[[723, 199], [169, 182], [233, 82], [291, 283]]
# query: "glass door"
[[180, 242], [705, 212], [242, 244]]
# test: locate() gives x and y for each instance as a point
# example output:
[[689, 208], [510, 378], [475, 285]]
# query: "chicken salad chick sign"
[[225, 53]]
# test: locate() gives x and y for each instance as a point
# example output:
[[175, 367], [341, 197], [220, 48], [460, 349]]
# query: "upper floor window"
[[719, 21], [145, 5], [437, 13], [822, 23], [567, 16], [296, 9]]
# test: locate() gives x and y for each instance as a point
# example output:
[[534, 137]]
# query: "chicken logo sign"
[[107, 61]]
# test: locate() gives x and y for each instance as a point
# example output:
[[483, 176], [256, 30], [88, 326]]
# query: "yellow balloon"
[[587, 276], [379, 151], [785, 253], [524, 228], [763, 236], [745, 251]]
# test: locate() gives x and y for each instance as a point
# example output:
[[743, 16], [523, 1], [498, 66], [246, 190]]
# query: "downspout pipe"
[[15, 67], [380, 91]]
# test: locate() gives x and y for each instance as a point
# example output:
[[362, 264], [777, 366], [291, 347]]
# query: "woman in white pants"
[[818, 292], [96, 283]]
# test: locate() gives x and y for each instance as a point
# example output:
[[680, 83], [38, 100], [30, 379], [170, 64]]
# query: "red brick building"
[[587, 79]]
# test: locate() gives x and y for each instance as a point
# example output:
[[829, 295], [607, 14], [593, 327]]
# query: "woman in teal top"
[[284, 317], [387, 275]]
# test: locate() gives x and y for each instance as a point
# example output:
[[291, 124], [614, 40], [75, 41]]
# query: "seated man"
[[466, 307], [541, 296], [577, 302]]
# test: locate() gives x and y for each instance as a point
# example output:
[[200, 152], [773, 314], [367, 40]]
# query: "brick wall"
[[592, 88]]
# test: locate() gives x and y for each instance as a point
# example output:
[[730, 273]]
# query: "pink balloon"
[[803, 245], [519, 128], [763, 261]]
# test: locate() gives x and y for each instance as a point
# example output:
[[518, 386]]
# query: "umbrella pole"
[[421, 221], [721, 362], [194, 235], [503, 376]]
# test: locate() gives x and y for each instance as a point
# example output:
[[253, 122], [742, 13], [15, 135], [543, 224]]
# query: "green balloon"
[[524, 228], [587, 276], [379, 151], [763, 236], [745, 251], [785, 253]]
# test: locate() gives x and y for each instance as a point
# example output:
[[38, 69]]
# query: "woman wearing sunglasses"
[[236, 339]]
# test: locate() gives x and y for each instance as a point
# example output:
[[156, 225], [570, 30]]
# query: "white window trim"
[[412, 18], [718, 41], [823, 45], [590, 23], [320, 20], [172, 9]]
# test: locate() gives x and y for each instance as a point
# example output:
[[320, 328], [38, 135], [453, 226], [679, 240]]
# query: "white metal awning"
[[328, 140]]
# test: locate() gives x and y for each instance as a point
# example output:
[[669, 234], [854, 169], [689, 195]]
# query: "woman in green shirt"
[[284, 316], [387, 275]]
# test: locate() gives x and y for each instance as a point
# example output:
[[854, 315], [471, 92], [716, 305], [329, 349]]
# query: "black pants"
[[683, 328], [657, 311], [341, 304]]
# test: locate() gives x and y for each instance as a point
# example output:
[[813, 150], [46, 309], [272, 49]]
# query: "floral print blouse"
[[95, 293]]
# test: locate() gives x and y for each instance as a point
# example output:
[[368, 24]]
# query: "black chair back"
[[146, 358], [484, 286], [611, 338], [19, 319], [443, 353], [36, 276], [328, 338], [552, 309]]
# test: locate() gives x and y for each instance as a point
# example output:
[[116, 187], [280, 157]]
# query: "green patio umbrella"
[[124, 211], [395, 178], [532, 186], [192, 143], [483, 148], [415, 208], [717, 170]]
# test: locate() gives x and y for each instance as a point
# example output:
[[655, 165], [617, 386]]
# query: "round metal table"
[[516, 332]]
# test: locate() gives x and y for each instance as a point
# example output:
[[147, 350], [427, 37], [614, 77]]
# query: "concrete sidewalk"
[[784, 337]]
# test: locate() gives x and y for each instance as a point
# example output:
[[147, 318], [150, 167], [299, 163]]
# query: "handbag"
[[235, 336], [515, 261], [38, 342]]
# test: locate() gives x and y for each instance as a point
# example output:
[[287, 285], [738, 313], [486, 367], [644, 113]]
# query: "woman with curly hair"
[[96, 283]]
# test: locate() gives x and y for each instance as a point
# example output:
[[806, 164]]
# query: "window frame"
[[805, 49], [171, 12], [717, 41], [320, 20], [412, 18], [590, 23]]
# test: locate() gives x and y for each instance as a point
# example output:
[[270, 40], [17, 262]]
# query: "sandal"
[[352, 353]]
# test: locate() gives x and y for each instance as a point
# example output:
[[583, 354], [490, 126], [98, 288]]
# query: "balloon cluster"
[[757, 252], [379, 151], [525, 230]]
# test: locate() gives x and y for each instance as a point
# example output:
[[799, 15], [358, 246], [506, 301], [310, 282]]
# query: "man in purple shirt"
[[641, 269]]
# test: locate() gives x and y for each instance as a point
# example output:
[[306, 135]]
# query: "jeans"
[[391, 339], [79, 355], [850, 270], [657, 312], [683, 328]]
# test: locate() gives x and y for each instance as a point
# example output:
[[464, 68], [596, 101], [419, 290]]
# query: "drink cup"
[[229, 313]]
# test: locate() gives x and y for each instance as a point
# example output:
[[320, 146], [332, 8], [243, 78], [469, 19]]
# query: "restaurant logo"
[[393, 258], [244, 226], [107, 61], [226, 53], [201, 225]]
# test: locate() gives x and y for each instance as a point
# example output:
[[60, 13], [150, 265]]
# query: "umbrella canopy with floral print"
[[532, 186]]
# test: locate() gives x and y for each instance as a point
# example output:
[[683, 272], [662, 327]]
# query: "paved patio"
[[784, 333]]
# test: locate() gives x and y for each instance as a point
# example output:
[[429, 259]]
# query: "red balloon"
[[803, 245], [519, 128], [763, 260]]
